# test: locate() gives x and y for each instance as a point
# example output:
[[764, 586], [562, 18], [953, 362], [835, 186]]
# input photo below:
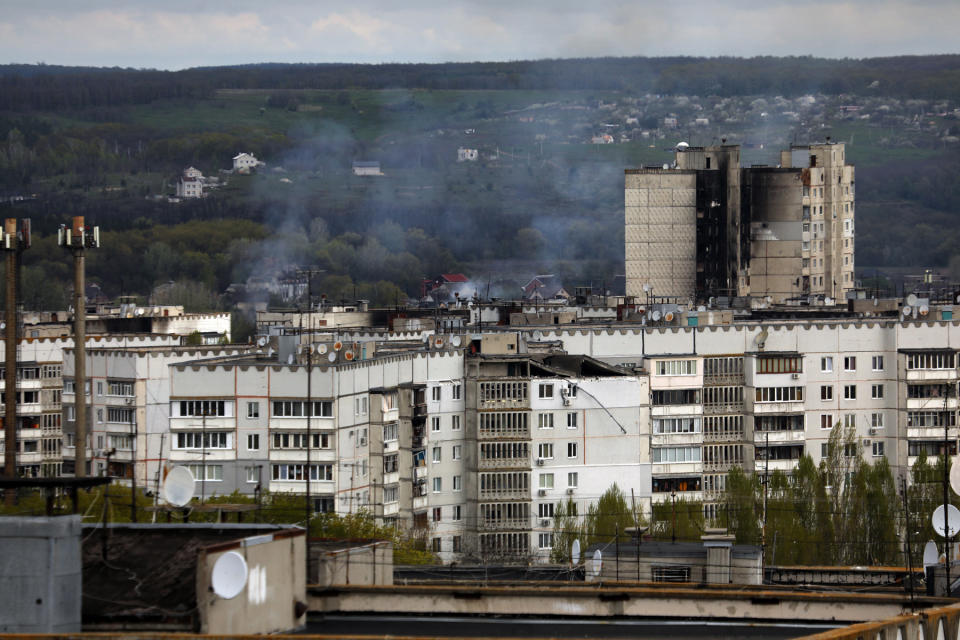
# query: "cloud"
[[178, 33]]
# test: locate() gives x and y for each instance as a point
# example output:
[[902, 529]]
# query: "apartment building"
[[709, 227]]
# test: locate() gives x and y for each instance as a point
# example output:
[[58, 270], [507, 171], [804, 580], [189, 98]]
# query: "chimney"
[[719, 545]]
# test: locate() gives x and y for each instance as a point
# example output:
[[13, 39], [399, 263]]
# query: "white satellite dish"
[[955, 475], [321, 348], [942, 517], [229, 575], [912, 300], [332, 357], [656, 316], [261, 341], [907, 311], [575, 553], [930, 554], [924, 309], [597, 563], [178, 487], [456, 341], [668, 316], [290, 359], [424, 338], [139, 312], [537, 335]]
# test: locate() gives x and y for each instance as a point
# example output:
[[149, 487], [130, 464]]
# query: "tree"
[[742, 506]]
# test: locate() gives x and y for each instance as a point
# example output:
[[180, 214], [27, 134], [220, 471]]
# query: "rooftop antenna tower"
[[77, 239], [14, 241]]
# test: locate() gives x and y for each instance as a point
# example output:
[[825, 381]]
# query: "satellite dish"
[[456, 341], [597, 563], [656, 315], [943, 517], [262, 341], [425, 338], [701, 309], [828, 302], [575, 553], [907, 311], [955, 475], [348, 355], [178, 487], [668, 316], [332, 357], [930, 554], [337, 346], [438, 343], [321, 348], [229, 575], [924, 309], [912, 300], [537, 335], [290, 359], [139, 312]]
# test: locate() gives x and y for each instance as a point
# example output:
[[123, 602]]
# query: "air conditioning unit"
[[866, 442], [539, 462], [570, 491], [875, 429], [542, 492], [566, 401], [363, 442], [544, 523], [795, 376], [128, 402]]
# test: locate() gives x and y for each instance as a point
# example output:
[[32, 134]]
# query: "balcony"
[[505, 494], [391, 509], [930, 433], [723, 436], [720, 408], [503, 463], [677, 468], [665, 497], [506, 524], [420, 502], [723, 380], [777, 437], [505, 403], [931, 404], [931, 375], [667, 410], [761, 408], [776, 465]]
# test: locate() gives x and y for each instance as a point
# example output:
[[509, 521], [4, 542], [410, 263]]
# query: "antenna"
[[178, 487], [597, 563], [229, 575], [942, 517], [930, 554], [575, 553]]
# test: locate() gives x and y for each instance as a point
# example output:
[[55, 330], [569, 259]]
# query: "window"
[[455, 391], [546, 390], [826, 364], [676, 368], [782, 364], [876, 420], [675, 454], [437, 514], [390, 463], [573, 479], [456, 483], [876, 391], [457, 544], [117, 415], [390, 494], [545, 540], [299, 440], [545, 450], [676, 396], [201, 440], [826, 392], [878, 449], [849, 363], [849, 420], [300, 409], [545, 420], [849, 392], [435, 423], [71, 413], [877, 363], [117, 388], [253, 474], [100, 415], [455, 422], [391, 431], [779, 394], [826, 421], [457, 450], [435, 545], [214, 472], [253, 441], [676, 425], [670, 573], [435, 394], [437, 485], [99, 388], [545, 510], [571, 449], [571, 420], [201, 408], [361, 406], [934, 360], [436, 454], [99, 442], [253, 409], [546, 481], [456, 513]]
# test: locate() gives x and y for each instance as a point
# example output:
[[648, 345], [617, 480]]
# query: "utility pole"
[[309, 272], [76, 239], [13, 242], [946, 484]]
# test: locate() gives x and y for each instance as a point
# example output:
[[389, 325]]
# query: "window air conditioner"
[[542, 492], [544, 523], [570, 491], [539, 462], [795, 376]]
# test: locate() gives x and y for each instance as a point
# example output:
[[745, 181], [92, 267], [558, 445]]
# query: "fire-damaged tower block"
[[708, 227]]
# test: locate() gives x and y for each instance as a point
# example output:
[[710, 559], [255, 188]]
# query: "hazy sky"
[[174, 34]]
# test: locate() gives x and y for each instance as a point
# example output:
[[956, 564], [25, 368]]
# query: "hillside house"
[[244, 162], [366, 168], [467, 155]]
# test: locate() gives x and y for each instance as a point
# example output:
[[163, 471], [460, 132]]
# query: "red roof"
[[454, 277]]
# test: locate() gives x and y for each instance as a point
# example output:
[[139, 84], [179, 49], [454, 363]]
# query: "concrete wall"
[[40, 574], [276, 581], [361, 564]]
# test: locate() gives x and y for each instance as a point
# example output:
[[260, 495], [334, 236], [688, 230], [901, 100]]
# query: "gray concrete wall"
[[40, 574], [363, 564]]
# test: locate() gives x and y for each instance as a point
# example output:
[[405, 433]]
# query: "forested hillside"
[[545, 193]]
